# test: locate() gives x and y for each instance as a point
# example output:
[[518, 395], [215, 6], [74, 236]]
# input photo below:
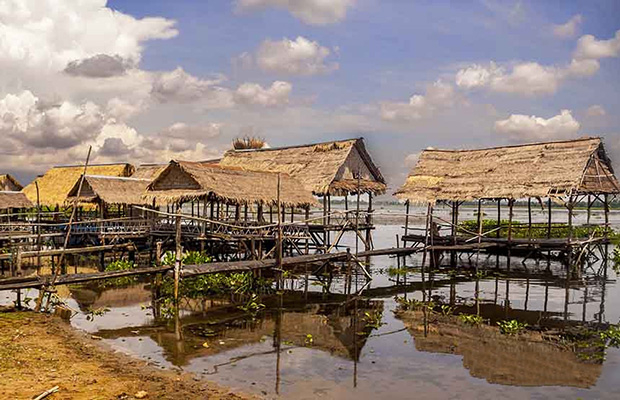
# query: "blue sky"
[[181, 79]]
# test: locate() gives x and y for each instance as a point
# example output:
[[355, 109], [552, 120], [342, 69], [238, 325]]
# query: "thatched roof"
[[553, 169], [9, 183], [12, 199], [110, 190], [55, 185], [148, 171], [322, 168], [185, 181]]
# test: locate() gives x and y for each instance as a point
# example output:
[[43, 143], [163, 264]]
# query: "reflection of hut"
[[339, 168], [183, 181], [522, 361], [110, 193], [566, 172], [10, 184], [55, 184], [95, 297]]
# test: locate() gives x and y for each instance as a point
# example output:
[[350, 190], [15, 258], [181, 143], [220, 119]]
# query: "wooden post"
[[499, 218], [511, 203], [549, 218], [589, 209], [179, 256], [406, 217], [36, 184], [529, 218], [279, 240], [606, 207]]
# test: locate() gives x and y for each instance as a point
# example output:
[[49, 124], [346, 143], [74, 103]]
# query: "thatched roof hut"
[[323, 168], [110, 190], [55, 185], [553, 169], [183, 181], [9, 183], [12, 199]]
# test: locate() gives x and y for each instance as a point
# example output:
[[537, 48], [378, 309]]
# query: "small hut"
[[337, 168], [55, 184], [9, 183], [564, 172], [111, 194], [184, 181]]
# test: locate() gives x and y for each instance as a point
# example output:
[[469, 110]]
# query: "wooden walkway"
[[196, 270]]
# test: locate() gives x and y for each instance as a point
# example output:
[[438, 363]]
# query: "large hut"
[[337, 168], [184, 181], [561, 172], [9, 183], [55, 184]]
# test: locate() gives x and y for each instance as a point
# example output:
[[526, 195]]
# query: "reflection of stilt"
[[277, 342], [178, 330], [355, 346], [601, 313], [566, 292]]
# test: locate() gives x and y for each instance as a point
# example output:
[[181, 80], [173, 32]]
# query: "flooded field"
[[307, 343]]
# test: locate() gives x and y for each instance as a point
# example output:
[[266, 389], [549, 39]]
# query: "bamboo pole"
[[179, 255], [36, 184], [75, 202], [279, 243]]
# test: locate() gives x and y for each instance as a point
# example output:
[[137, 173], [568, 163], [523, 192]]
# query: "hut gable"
[[323, 168], [8, 183], [186, 181], [110, 190], [148, 171], [55, 184], [12, 199], [553, 169]]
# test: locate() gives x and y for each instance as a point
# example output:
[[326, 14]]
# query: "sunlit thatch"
[[12, 199], [248, 143], [9, 183], [186, 181], [110, 190], [148, 171], [531, 170], [323, 168], [55, 185]]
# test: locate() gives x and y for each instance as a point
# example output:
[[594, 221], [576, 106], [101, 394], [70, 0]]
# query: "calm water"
[[339, 363]]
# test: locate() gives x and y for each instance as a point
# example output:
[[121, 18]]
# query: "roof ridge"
[[294, 146], [582, 139]]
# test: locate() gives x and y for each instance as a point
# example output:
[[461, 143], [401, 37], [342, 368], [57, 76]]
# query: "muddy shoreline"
[[39, 352]]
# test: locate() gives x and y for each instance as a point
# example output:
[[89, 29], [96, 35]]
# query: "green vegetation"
[[592, 344], [471, 319], [120, 265], [538, 230], [91, 313], [373, 319], [512, 327]]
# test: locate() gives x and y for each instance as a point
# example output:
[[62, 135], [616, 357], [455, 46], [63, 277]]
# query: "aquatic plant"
[[537, 231], [471, 319], [91, 313], [512, 327], [396, 271], [409, 304], [309, 340], [374, 319], [252, 306], [119, 265], [446, 310]]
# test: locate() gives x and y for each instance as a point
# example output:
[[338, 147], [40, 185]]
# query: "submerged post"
[[179, 255]]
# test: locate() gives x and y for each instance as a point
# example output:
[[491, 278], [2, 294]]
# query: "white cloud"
[[99, 66], [523, 127], [26, 120], [179, 86], [254, 94], [525, 78], [314, 12], [596, 110], [588, 47], [294, 57], [568, 29], [437, 96], [48, 35]]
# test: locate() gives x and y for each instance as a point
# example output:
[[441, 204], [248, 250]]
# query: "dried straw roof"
[[110, 190], [552, 169], [12, 199], [148, 171], [185, 181], [55, 185], [9, 183], [323, 168]]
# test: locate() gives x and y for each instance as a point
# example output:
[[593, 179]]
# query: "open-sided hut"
[[185, 181], [337, 168], [110, 191], [564, 172], [9, 183], [148, 171], [55, 184], [11, 200]]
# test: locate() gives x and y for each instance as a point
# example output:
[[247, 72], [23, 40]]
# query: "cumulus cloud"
[[589, 47], [254, 94], [520, 127], [294, 57], [314, 12], [30, 122], [596, 110], [439, 95], [568, 29], [49, 35], [99, 66], [179, 86], [114, 147]]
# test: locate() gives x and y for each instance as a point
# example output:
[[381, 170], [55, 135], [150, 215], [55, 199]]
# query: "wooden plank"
[[77, 250]]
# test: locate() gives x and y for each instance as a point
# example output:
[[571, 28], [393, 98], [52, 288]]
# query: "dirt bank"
[[38, 352]]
